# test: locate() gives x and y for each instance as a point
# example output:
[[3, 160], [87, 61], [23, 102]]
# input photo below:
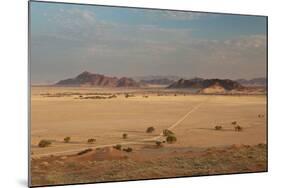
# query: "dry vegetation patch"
[[91, 140], [232, 159], [67, 139], [44, 143]]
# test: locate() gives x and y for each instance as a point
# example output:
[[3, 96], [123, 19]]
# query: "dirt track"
[[142, 141]]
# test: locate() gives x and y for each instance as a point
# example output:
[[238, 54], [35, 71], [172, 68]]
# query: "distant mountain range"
[[199, 83], [90, 79], [155, 77], [253, 82], [161, 81], [172, 82]]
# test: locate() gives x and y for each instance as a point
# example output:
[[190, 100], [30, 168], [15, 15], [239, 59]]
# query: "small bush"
[[128, 149], [238, 128], [171, 139], [150, 129], [44, 143], [125, 136], [84, 151], [67, 139], [91, 140], [118, 147], [234, 122], [127, 95], [158, 143], [218, 127], [167, 132]]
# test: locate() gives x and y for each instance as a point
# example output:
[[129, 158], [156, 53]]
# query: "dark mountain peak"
[[127, 82], [196, 79], [90, 79], [205, 83], [85, 73]]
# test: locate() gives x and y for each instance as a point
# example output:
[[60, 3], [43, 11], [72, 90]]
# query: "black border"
[[144, 8]]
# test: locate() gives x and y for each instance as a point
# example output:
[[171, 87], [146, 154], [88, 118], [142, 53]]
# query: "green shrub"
[[171, 139], [44, 143], [128, 149], [67, 139], [167, 132], [218, 127], [125, 136], [118, 146], [150, 129], [91, 140]]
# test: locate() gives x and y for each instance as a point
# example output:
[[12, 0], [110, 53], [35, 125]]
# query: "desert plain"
[[105, 114]]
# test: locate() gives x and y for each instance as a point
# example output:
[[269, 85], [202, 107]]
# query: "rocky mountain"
[[90, 79], [253, 82], [155, 77], [163, 81], [199, 83]]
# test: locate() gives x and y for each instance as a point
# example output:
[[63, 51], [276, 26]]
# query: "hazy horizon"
[[67, 39]]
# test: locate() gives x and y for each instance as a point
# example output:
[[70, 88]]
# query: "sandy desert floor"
[[191, 117], [58, 112]]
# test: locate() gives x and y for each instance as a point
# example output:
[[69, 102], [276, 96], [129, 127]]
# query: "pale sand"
[[107, 119]]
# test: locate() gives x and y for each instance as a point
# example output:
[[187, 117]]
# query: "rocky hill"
[[162, 81], [199, 83], [90, 79]]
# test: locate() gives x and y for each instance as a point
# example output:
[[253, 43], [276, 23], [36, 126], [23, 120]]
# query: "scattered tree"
[[128, 149], [238, 128], [118, 146], [171, 139], [125, 136], [91, 140], [44, 143], [150, 129], [158, 143], [167, 132], [218, 127], [67, 139]]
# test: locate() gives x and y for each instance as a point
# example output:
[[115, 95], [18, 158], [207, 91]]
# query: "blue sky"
[[67, 39]]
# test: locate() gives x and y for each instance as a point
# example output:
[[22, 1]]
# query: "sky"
[[67, 39]]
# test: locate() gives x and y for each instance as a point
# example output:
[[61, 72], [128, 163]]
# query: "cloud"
[[253, 41], [128, 50], [183, 16]]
